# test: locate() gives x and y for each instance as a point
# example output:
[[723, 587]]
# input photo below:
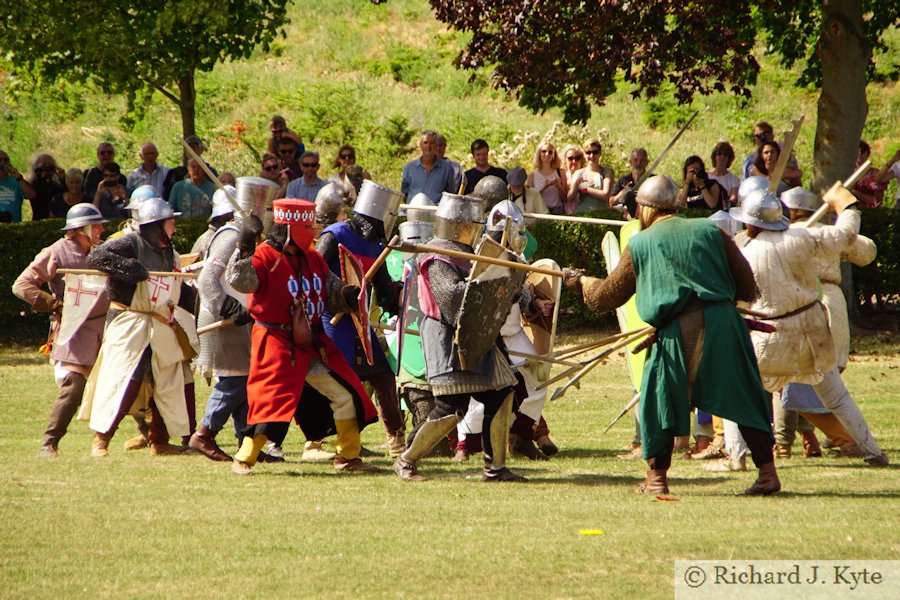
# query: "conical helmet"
[[420, 199], [658, 191]]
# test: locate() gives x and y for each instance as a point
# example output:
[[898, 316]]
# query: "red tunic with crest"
[[275, 386]]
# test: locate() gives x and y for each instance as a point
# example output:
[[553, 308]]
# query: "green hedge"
[[20, 243], [567, 243]]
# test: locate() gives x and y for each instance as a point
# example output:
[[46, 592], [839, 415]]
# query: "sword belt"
[[125, 307]]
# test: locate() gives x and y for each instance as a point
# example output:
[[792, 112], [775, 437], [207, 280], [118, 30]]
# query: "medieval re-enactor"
[[72, 360], [141, 340], [799, 399], [687, 274], [225, 352], [801, 349], [292, 361], [442, 282], [364, 234]]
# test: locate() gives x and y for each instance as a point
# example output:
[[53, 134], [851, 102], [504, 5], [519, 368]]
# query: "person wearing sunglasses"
[[307, 186], [590, 187], [762, 133], [345, 159], [93, 176], [548, 179], [271, 170], [287, 152]]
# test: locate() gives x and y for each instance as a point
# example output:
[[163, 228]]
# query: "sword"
[[649, 171], [631, 404]]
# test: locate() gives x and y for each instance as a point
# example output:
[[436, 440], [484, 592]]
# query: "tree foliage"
[[570, 53], [133, 47]]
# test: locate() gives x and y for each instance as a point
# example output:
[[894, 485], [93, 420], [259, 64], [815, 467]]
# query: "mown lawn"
[[137, 526]]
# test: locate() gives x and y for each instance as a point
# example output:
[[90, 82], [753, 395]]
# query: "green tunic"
[[673, 259]]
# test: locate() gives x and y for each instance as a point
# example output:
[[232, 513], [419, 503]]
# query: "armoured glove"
[[46, 303], [572, 278], [232, 309], [251, 230], [349, 294]]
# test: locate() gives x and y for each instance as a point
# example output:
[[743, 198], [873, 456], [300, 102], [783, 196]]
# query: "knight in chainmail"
[[142, 338], [363, 234], [687, 275], [224, 352], [441, 287]]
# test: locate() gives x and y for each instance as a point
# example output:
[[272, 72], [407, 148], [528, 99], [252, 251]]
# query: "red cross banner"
[[82, 293]]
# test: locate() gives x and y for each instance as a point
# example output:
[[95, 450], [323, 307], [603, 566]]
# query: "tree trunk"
[[188, 99], [845, 54]]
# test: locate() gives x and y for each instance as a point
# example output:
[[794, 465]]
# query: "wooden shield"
[[541, 330], [353, 273], [627, 314], [488, 297]]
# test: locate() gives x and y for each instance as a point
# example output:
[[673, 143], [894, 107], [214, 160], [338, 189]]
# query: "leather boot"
[[100, 445], [655, 482], [766, 483], [782, 450], [142, 440], [525, 447], [204, 442], [811, 447], [396, 444]]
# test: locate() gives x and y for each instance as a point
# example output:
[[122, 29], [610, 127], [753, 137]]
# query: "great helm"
[[221, 206], [416, 232], [751, 184], [491, 189], [141, 193], [801, 199], [255, 195], [762, 209], [507, 212], [420, 199], [380, 203], [658, 191], [459, 218], [152, 210], [329, 202], [83, 214]]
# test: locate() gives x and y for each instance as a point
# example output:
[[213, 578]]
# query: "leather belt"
[[794, 312], [275, 326]]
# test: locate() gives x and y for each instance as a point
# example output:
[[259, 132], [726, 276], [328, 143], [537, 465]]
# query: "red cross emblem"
[[78, 291], [158, 284]]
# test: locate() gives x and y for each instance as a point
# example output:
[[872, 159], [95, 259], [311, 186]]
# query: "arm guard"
[[602, 295]]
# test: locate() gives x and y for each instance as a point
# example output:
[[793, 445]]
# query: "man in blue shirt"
[[12, 194], [429, 173], [308, 186]]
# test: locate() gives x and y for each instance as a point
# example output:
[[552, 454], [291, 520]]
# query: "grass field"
[[185, 527]]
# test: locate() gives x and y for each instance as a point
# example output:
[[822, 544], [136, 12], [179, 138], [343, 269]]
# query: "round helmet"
[[800, 199], [725, 221], [762, 209], [221, 206], [420, 199], [141, 193], [153, 210], [83, 214], [751, 184], [491, 189], [459, 218], [504, 213], [329, 202], [658, 191], [378, 202]]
